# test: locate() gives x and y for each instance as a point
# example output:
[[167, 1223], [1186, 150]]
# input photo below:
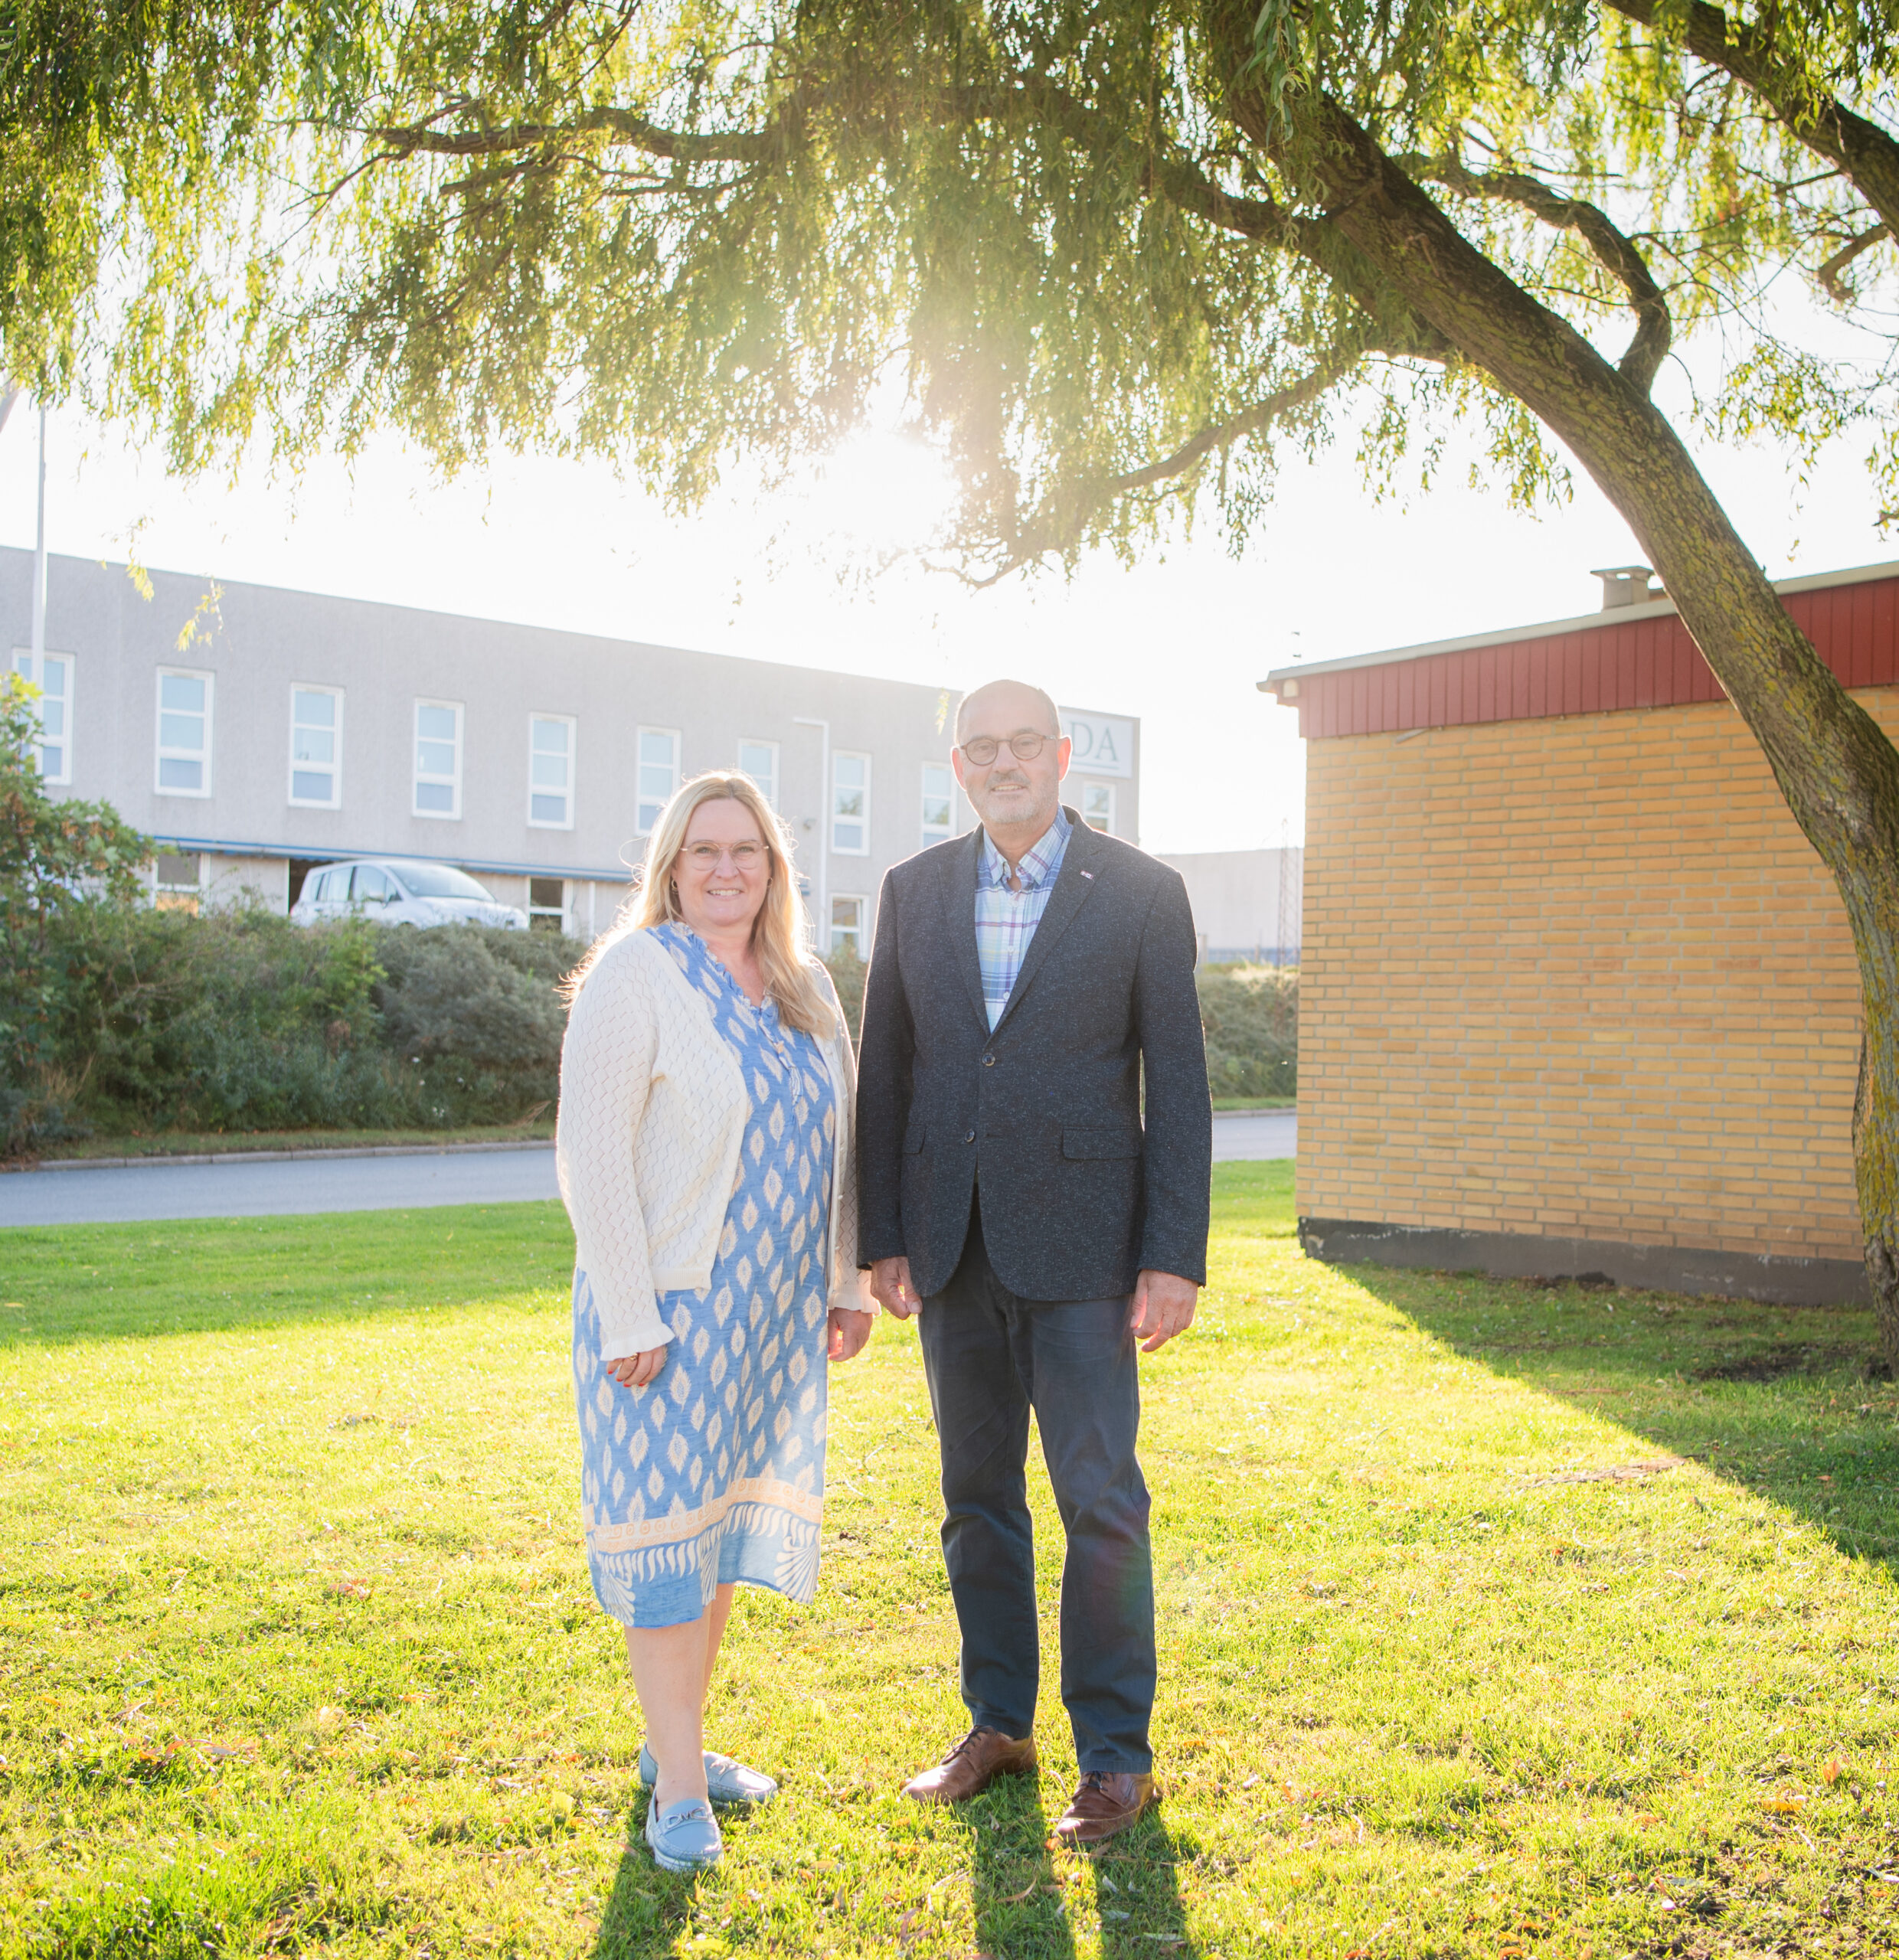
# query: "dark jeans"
[[990, 1357]]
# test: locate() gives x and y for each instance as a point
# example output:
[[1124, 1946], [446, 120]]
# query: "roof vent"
[[1626, 585]]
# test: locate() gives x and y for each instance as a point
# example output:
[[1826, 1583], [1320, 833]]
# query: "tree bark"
[[1834, 765]]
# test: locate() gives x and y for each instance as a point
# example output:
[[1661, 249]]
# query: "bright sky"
[[1179, 641]]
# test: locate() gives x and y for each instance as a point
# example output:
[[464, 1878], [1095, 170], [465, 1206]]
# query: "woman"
[[707, 1084]]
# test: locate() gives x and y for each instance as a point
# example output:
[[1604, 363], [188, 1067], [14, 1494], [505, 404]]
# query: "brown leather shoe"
[[971, 1766], [1106, 1801]]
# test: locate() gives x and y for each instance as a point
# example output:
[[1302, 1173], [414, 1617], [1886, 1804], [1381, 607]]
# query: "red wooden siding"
[[1640, 663]]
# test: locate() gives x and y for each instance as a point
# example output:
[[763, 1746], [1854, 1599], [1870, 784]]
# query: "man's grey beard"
[[1044, 808]]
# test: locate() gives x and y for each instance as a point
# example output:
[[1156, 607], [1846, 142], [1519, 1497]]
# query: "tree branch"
[[1865, 152], [1248, 422], [1828, 274], [1611, 247], [620, 125]]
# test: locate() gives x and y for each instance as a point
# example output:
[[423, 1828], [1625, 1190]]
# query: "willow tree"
[[1110, 257]]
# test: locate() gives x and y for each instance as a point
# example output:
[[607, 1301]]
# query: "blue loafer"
[[684, 1836], [726, 1781]]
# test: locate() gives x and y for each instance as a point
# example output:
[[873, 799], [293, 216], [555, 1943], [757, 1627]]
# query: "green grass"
[[194, 1143], [1255, 1102], [297, 1654]]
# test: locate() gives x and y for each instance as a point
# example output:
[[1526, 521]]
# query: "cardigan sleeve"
[[606, 1066], [846, 1288]]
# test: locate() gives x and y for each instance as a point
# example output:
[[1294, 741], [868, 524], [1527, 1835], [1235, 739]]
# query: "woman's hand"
[[636, 1371], [849, 1331]]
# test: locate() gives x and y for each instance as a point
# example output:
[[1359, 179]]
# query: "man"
[[1028, 983]]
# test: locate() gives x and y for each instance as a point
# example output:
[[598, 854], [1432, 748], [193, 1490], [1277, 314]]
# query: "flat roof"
[[1618, 616]]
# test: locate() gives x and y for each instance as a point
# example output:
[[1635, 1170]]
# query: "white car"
[[398, 893]]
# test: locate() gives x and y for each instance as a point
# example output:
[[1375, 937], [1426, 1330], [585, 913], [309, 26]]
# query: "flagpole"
[[39, 561]]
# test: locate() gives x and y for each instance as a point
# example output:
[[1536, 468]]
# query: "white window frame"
[[1098, 789], [936, 833], [417, 776], [176, 897], [559, 915], [640, 799], [161, 754], [857, 934], [23, 666], [770, 785], [334, 800], [849, 849], [571, 724]]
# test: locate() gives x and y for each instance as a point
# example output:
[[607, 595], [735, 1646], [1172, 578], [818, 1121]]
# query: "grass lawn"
[[1494, 1622]]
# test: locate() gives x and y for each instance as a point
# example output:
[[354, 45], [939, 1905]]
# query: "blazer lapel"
[[959, 911], [1076, 880]]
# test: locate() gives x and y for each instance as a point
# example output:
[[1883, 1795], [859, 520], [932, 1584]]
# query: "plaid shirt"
[[1005, 920]]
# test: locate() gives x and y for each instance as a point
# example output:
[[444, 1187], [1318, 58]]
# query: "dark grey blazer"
[[1077, 1196]]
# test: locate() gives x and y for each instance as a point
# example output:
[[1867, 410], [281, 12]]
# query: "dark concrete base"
[[1788, 1282]]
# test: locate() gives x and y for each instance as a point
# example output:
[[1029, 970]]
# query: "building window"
[[176, 879], [847, 926], [184, 733], [438, 754], [550, 771], [760, 761], [52, 674], [940, 809], [548, 905], [851, 803], [316, 747], [658, 773], [1097, 805]]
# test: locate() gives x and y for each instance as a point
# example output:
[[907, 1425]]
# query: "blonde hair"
[[781, 933]]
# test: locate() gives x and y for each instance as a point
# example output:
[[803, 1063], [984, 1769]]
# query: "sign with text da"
[[1104, 744]]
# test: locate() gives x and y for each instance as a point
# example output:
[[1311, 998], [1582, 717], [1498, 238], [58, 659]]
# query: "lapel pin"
[[1087, 874]]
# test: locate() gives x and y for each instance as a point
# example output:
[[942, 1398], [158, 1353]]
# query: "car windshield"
[[439, 881]]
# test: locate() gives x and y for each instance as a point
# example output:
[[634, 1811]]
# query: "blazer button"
[[970, 1137], [989, 1061]]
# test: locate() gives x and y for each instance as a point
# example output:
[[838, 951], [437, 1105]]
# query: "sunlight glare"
[[883, 489]]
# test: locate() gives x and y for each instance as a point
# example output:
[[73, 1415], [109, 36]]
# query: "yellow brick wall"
[[1580, 977]]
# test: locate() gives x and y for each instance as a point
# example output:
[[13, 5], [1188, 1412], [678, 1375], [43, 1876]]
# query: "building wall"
[[1247, 903], [258, 641], [1576, 978]]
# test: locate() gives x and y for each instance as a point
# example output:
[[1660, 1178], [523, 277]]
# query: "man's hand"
[[636, 1371], [890, 1284], [1163, 1306], [849, 1331]]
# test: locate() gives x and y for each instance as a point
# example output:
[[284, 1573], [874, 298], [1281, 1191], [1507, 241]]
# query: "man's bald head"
[[1013, 704]]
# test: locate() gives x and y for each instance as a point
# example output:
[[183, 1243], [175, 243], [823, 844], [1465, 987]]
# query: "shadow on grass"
[[1134, 1876], [1023, 1911], [1785, 1401], [69, 1283]]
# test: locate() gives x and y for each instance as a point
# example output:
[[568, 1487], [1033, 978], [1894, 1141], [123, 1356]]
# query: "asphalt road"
[[317, 1182]]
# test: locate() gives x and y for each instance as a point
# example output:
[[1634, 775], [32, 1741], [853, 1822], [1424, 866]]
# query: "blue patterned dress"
[[714, 1472]]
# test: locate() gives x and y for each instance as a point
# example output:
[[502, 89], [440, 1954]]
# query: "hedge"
[[241, 1021]]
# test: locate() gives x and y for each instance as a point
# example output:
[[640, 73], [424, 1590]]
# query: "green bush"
[[241, 1021], [1251, 1016]]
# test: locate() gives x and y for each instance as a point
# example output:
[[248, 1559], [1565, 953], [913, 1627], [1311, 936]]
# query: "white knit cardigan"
[[653, 1109]]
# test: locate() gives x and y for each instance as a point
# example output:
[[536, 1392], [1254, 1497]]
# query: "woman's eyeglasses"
[[706, 856], [982, 750]]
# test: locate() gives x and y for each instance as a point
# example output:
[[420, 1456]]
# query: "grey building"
[[1247, 904], [254, 731]]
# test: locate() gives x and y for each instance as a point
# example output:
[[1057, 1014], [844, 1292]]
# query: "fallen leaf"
[[1784, 1805], [1831, 1774]]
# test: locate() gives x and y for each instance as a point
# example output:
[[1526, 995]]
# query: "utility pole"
[[1285, 893]]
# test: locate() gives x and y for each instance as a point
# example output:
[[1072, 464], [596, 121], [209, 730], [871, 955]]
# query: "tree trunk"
[[1838, 773]]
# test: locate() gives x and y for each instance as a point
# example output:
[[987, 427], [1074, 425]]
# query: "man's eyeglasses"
[[744, 856], [982, 750]]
